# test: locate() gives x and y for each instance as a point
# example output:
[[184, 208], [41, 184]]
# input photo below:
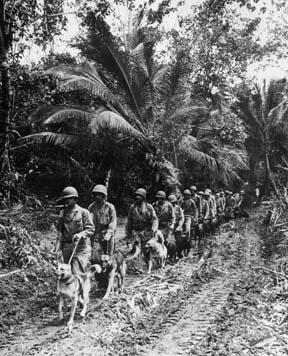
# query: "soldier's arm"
[[88, 226], [154, 219], [224, 203], [199, 206], [113, 220], [195, 209], [173, 217], [206, 216], [181, 220]]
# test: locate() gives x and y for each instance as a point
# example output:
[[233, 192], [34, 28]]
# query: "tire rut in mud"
[[199, 313]]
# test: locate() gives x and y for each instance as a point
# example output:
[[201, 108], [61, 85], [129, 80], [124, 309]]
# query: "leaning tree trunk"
[[4, 92], [268, 177]]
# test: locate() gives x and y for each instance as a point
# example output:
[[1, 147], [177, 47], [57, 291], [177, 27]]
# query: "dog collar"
[[67, 279]]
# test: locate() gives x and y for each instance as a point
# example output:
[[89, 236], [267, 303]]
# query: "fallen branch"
[[9, 273], [271, 271]]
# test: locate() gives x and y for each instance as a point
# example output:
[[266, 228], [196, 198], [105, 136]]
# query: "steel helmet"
[[207, 192], [142, 192], [160, 194], [193, 187], [99, 188], [69, 192], [242, 192], [172, 198], [200, 193], [187, 192]]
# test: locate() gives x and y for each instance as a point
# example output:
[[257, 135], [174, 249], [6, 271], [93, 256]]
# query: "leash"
[[74, 250]]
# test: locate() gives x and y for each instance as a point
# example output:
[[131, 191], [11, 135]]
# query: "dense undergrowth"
[[27, 280]]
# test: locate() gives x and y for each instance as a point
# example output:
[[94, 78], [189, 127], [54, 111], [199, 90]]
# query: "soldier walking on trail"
[[165, 214], [222, 201], [229, 205], [190, 212], [105, 222], [238, 210], [219, 207], [75, 229], [196, 198], [142, 220], [205, 214], [179, 221]]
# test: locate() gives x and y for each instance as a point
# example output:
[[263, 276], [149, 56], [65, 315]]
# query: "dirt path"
[[165, 314], [203, 307]]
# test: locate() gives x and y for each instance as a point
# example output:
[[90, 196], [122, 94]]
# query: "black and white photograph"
[[143, 177]]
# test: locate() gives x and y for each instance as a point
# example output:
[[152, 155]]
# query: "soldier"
[[142, 220], [212, 205], [75, 226], [239, 211], [219, 205], [205, 214], [179, 221], [229, 205], [196, 198], [223, 201], [105, 222], [165, 214], [190, 212]]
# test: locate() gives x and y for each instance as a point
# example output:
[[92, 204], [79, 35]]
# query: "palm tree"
[[134, 94], [264, 113]]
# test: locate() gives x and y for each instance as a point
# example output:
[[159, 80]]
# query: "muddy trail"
[[166, 313]]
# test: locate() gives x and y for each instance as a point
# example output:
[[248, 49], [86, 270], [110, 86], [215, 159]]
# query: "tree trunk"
[[4, 93], [268, 177], [108, 177]]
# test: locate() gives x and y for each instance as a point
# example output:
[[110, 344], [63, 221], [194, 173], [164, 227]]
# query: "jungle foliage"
[[143, 104]]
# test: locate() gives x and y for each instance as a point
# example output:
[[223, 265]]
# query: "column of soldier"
[[175, 222], [163, 229]]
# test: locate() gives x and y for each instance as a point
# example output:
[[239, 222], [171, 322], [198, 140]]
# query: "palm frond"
[[49, 138], [65, 114], [84, 78], [192, 149], [110, 120], [237, 158]]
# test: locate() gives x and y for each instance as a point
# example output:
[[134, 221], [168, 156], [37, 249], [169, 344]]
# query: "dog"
[[112, 267], [75, 287], [155, 249]]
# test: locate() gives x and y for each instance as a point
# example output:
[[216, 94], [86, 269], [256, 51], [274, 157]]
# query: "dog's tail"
[[135, 252], [94, 269]]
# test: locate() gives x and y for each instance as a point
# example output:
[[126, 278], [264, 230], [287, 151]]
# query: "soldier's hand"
[[75, 238], [178, 229], [107, 236]]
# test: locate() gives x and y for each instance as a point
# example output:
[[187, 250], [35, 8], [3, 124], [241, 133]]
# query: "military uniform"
[[166, 217], [229, 207], [204, 217], [142, 223], [178, 228], [190, 211], [197, 200], [77, 221], [105, 222]]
